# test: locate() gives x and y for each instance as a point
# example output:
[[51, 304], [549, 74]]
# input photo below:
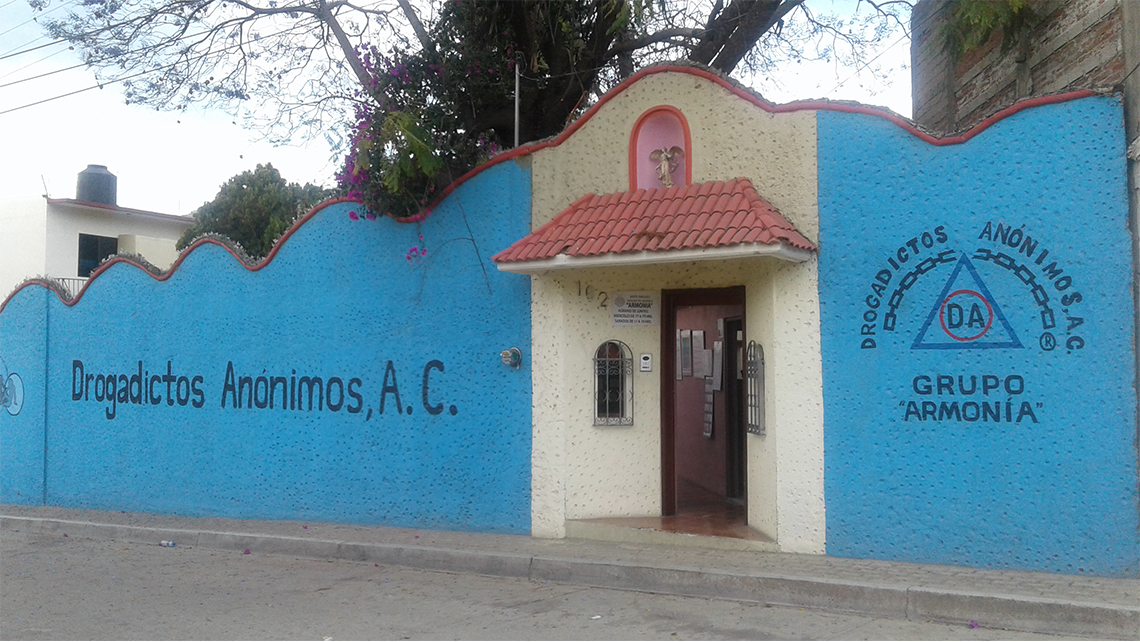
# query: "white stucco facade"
[[23, 241], [41, 236], [583, 471]]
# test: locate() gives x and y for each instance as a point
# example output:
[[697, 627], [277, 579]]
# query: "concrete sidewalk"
[[1042, 602]]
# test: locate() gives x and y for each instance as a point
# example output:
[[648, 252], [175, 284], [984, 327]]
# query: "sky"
[[174, 162]]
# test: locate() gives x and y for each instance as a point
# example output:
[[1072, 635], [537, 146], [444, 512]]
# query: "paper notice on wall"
[[710, 399], [702, 362], [686, 353], [677, 359], [718, 365], [634, 308]]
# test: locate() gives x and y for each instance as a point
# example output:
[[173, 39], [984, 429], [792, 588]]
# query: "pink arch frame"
[[635, 136]]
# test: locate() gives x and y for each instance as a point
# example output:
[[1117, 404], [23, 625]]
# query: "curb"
[[898, 601]]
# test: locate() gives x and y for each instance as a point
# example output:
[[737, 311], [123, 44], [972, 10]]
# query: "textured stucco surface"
[[340, 302], [23, 243], [24, 351], [583, 471], [914, 472], [795, 410], [66, 222], [731, 137]]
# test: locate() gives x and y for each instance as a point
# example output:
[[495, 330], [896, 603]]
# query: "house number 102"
[[591, 293]]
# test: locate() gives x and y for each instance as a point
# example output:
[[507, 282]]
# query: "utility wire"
[[1130, 73], [157, 69], [122, 78], [46, 100], [17, 51], [930, 17], [95, 86], [32, 19], [864, 66], [31, 64], [43, 75]]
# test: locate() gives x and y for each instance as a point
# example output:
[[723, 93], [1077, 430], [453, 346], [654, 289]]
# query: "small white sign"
[[702, 362], [635, 308]]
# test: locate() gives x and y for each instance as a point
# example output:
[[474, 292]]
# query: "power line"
[[31, 64], [89, 62], [865, 65], [121, 79], [96, 86], [43, 75], [19, 51], [46, 100], [931, 16], [32, 19]]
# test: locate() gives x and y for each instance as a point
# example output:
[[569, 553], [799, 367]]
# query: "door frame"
[[670, 301]]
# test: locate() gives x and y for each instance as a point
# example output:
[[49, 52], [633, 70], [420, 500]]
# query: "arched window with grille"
[[613, 385]]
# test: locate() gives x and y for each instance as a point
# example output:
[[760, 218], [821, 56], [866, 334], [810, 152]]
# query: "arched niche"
[[661, 127]]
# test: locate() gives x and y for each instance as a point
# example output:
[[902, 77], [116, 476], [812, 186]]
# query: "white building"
[[67, 238]]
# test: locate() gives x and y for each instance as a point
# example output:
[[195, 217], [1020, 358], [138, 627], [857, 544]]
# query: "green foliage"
[[432, 110], [434, 113], [254, 209], [973, 23], [428, 110]]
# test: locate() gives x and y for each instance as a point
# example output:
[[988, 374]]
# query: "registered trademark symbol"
[[1048, 341]]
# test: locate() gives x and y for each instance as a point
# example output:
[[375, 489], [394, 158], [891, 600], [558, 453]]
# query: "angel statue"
[[666, 160]]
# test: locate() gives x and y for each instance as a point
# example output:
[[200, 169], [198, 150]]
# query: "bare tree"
[[295, 70]]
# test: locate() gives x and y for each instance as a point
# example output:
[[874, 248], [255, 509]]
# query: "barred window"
[[613, 385], [754, 376]]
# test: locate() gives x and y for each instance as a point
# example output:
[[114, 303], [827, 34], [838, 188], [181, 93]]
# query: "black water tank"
[[97, 185]]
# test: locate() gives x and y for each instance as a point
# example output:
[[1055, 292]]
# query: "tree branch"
[[653, 38], [417, 26], [751, 27], [346, 47]]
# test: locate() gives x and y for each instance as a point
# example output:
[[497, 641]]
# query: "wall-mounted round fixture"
[[511, 357]]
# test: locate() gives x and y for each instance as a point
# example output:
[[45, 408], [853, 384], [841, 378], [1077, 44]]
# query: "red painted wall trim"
[[181, 257], [633, 136], [807, 105], [523, 150]]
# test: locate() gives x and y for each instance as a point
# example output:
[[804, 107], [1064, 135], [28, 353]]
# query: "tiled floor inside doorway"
[[699, 512]]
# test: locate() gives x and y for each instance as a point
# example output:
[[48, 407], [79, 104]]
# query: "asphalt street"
[[57, 587]]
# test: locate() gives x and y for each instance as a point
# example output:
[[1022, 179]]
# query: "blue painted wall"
[[23, 356], [420, 423], [999, 267]]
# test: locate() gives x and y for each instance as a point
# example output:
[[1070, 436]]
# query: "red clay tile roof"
[[702, 215]]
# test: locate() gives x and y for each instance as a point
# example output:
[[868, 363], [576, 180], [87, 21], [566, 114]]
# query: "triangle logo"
[[965, 316]]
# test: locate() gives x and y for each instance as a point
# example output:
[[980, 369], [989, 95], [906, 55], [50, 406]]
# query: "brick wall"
[[932, 67], [1077, 44]]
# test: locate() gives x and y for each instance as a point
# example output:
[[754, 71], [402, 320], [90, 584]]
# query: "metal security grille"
[[754, 379], [613, 385]]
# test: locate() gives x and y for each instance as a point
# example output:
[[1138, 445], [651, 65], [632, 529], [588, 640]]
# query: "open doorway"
[[702, 430]]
